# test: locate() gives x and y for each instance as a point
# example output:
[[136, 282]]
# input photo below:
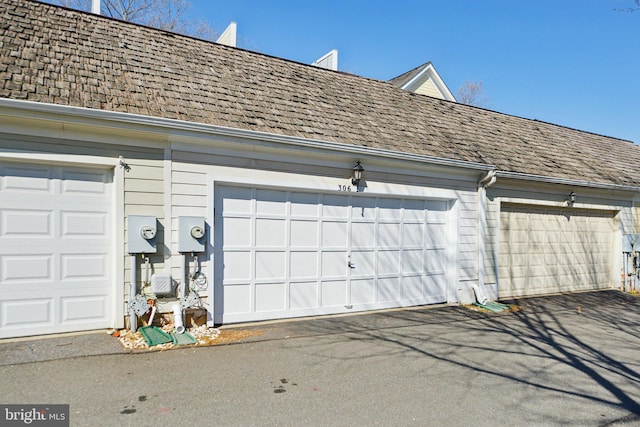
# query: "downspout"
[[488, 180], [95, 7]]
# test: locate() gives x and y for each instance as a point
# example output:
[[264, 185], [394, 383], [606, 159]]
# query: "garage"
[[550, 250], [285, 253], [56, 240]]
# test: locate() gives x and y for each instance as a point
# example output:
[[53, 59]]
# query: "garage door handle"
[[351, 265]]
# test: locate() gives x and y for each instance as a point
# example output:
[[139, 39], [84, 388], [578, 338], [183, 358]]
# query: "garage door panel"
[[363, 235], [85, 308], [26, 222], [304, 205], [236, 265], [412, 235], [270, 297], [237, 299], [303, 295], [389, 262], [238, 231], [294, 260], [412, 288], [334, 264], [304, 234], [84, 266], [435, 287], [26, 313], [363, 208], [334, 293], [362, 291], [270, 202], [334, 234], [566, 250], [412, 261], [389, 235], [270, 265], [26, 268], [335, 207], [235, 200], [75, 182], [303, 265], [389, 289], [270, 232], [84, 224], [363, 262], [22, 179], [436, 235]]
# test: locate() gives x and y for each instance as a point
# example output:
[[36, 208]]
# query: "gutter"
[[565, 181], [181, 125]]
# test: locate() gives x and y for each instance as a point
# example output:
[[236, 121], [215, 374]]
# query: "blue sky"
[[575, 63]]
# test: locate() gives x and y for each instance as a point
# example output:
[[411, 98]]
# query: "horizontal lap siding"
[[144, 195], [189, 193], [468, 237]]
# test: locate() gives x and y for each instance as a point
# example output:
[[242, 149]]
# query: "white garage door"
[[554, 250], [287, 254], [55, 249]]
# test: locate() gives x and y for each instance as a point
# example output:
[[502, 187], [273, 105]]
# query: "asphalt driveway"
[[562, 360]]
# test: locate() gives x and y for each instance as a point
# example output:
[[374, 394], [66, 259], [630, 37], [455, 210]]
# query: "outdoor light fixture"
[[571, 199], [357, 174]]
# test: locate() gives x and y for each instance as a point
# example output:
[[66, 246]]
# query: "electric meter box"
[[141, 234], [191, 234]]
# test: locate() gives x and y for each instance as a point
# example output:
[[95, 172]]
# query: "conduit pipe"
[[177, 319], [133, 287]]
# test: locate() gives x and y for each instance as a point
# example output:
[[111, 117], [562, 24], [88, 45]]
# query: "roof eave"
[[114, 117], [565, 181]]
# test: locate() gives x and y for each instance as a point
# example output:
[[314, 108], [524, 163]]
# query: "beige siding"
[[492, 225], [468, 237], [429, 89]]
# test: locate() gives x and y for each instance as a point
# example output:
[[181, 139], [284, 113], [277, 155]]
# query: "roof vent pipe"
[[95, 7]]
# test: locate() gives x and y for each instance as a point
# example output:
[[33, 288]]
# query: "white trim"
[[557, 205], [118, 242], [328, 185], [63, 159], [210, 220], [104, 117], [282, 181]]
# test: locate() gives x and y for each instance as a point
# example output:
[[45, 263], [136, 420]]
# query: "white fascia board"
[[95, 117], [565, 181]]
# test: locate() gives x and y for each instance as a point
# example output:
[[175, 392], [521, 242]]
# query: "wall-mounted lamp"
[[357, 174], [571, 199]]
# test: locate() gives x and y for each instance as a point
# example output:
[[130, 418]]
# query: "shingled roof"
[[55, 55]]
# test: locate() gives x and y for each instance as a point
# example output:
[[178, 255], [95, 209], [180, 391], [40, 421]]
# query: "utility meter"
[[191, 234], [141, 234], [147, 232], [197, 232]]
